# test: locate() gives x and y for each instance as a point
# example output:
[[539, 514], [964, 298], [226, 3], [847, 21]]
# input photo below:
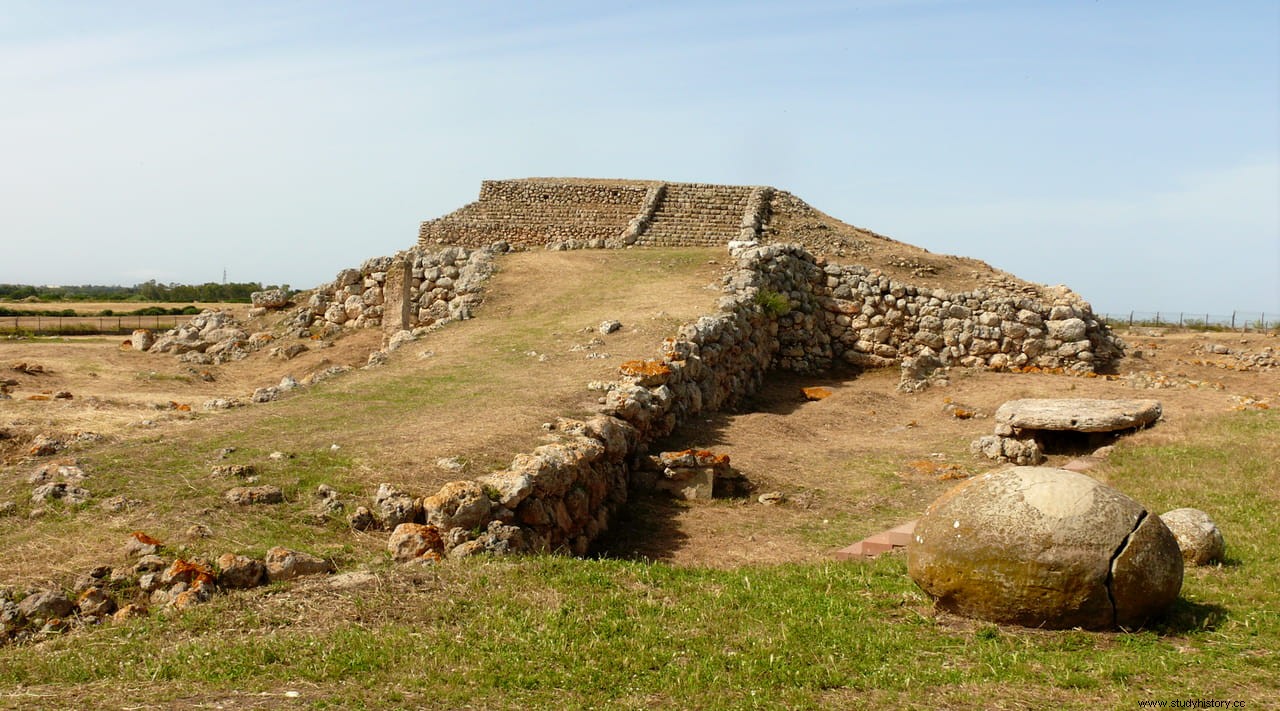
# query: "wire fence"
[[1235, 321], [84, 325]]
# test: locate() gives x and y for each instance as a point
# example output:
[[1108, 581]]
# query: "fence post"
[[1157, 318], [1130, 319], [1180, 314], [1233, 320]]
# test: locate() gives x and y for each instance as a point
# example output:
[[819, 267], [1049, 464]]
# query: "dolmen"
[[1024, 428]]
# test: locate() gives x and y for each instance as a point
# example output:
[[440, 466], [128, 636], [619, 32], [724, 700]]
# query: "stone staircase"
[[697, 214]]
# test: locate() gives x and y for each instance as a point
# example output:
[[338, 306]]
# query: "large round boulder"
[[1044, 547], [1197, 535]]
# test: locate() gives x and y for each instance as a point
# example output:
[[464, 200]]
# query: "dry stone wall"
[[782, 309], [418, 288], [577, 214], [532, 213]]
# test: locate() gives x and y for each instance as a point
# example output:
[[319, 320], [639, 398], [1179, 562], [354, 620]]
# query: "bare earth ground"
[[860, 461]]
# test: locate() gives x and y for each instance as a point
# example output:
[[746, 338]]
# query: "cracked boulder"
[[1044, 547]]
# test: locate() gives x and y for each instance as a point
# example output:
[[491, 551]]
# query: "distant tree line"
[[144, 292]]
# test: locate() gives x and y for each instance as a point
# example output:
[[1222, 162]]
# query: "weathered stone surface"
[[142, 339], [285, 564], [249, 495], [238, 571], [1075, 415], [270, 299], [458, 504], [140, 544], [411, 541], [45, 604], [95, 602], [396, 506], [1198, 536], [60, 491], [1045, 547]]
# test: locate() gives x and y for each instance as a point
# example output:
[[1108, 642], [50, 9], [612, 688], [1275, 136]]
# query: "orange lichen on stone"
[[39, 398], [644, 368], [816, 393], [939, 470], [187, 570], [141, 537]]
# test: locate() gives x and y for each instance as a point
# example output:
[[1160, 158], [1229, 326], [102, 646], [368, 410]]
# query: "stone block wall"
[[535, 213], [576, 214]]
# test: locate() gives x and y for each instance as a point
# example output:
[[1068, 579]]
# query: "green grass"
[[554, 632]]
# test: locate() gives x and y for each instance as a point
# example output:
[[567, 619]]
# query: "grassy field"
[[754, 615], [554, 632]]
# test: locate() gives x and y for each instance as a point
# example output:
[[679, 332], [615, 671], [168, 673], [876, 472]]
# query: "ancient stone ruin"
[[799, 297], [1025, 430]]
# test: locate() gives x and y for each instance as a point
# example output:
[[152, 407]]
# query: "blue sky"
[[1129, 150]]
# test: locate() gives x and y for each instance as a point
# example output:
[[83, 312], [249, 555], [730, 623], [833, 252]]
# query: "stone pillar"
[[396, 303]]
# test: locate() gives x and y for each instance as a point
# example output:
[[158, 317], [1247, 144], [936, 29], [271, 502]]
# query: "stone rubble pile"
[[150, 580]]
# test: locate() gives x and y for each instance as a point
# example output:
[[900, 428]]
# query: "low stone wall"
[[417, 288], [783, 309]]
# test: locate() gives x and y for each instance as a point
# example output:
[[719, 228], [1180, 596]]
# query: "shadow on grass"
[[1186, 616]]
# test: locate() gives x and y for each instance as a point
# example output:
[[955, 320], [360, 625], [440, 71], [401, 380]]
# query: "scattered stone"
[[609, 326], [922, 372], [46, 604], [286, 564], [43, 445], [131, 611], [396, 506], [60, 491], [412, 541], [772, 498], [238, 571], [814, 394], [452, 464], [250, 495], [188, 572], [1198, 536], [353, 580], [142, 339], [238, 471], [364, 520], [1045, 547], [51, 471], [118, 504], [199, 530], [150, 563], [140, 545], [95, 602], [8, 508]]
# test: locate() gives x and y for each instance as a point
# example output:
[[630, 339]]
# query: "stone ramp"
[[697, 214]]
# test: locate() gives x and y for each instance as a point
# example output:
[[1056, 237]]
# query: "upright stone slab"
[[396, 303]]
